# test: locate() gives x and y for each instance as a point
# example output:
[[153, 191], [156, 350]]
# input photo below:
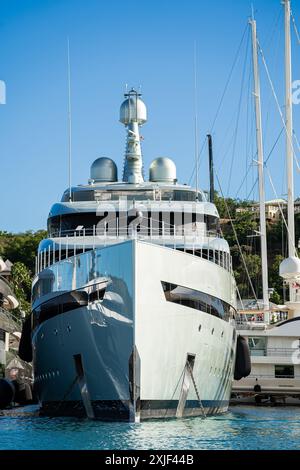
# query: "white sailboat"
[[275, 349]]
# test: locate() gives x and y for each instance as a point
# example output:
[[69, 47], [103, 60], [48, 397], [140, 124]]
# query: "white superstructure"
[[134, 298], [275, 358]]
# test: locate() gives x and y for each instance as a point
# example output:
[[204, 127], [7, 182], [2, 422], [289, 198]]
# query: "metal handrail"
[[283, 352], [12, 320], [269, 376], [49, 257], [166, 235], [153, 232]]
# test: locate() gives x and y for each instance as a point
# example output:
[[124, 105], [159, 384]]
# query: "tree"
[[253, 263], [275, 281], [21, 282], [225, 205], [21, 250], [275, 298], [21, 247]]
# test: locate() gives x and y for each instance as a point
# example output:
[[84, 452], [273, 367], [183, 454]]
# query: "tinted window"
[[284, 372], [198, 300]]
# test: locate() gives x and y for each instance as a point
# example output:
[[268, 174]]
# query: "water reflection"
[[242, 428]]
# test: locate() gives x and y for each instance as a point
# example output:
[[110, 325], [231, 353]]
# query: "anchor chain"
[[196, 390]]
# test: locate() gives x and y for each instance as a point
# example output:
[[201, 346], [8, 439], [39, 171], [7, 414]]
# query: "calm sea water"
[[241, 428]]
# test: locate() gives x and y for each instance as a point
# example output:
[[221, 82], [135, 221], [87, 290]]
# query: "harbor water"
[[242, 428]]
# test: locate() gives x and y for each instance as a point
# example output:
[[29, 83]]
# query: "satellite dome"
[[104, 170], [162, 170], [133, 109], [290, 268]]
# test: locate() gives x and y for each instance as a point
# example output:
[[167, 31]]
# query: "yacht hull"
[[134, 355]]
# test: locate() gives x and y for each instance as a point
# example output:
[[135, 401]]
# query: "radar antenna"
[[133, 114]]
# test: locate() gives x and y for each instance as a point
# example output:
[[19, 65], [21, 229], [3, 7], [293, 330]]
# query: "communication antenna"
[[196, 115], [69, 122], [211, 170]]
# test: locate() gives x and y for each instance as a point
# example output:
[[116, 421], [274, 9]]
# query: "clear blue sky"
[[148, 43]]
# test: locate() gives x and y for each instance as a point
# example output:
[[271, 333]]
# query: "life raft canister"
[[242, 359], [25, 346]]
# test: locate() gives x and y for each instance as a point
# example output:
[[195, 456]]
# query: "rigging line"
[[277, 48], [275, 28], [296, 140], [272, 39], [252, 147], [266, 160], [196, 118], [281, 212], [295, 28], [237, 240], [239, 113], [277, 103], [248, 130], [227, 149], [273, 148], [233, 136], [200, 153], [240, 298], [69, 121], [228, 80], [223, 94], [244, 179]]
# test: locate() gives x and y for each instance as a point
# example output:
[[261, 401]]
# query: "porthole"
[[199, 328], [212, 331]]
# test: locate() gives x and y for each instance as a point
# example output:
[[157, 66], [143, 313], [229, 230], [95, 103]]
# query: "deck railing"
[[70, 243], [252, 376], [279, 352], [153, 231], [9, 321]]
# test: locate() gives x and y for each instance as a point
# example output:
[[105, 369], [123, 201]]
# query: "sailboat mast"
[[289, 127], [260, 162], [289, 268]]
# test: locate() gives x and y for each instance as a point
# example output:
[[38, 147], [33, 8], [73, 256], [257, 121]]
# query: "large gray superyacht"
[[134, 299]]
